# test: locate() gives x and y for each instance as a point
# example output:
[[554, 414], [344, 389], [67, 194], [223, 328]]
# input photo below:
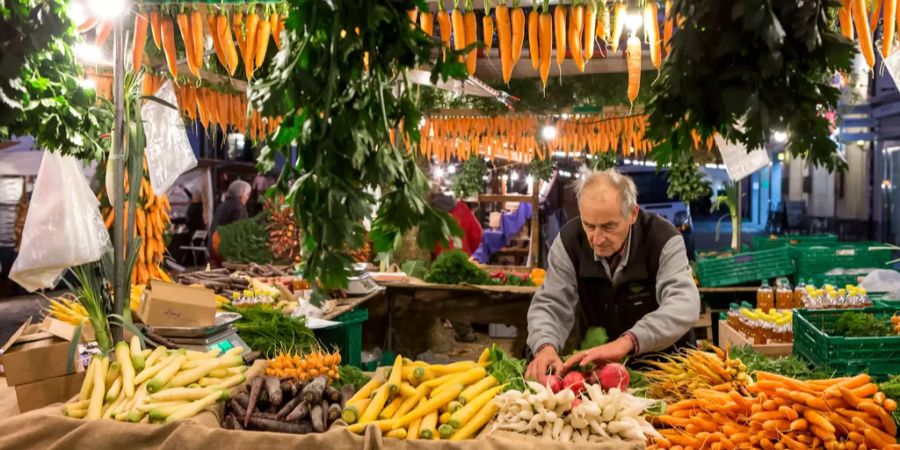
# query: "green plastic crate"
[[877, 356], [744, 267], [347, 336], [765, 241], [817, 259], [838, 281]]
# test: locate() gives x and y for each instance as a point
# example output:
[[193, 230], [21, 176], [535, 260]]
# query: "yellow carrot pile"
[[842, 413], [678, 376], [422, 401], [160, 385]]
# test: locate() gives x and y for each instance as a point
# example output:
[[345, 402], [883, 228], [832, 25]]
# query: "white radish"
[[617, 427], [558, 427], [547, 432], [565, 435], [579, 437], [525, 414], [550, 417]]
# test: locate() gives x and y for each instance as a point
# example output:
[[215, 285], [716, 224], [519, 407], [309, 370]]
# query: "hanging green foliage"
[[340, 82], [603, 161], [686, 181], [746, 68], [470, 178], [40, 94], [541, 168]]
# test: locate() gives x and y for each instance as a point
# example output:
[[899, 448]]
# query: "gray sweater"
[[552, 311]]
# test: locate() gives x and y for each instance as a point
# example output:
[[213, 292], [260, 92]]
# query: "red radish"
[[553, 382], [614, 375], [574, 381], [576, 402]]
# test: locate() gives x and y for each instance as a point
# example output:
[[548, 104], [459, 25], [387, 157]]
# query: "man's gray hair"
[[610, 177], [238, 188]]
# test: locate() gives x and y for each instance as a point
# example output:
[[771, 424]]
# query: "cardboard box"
[[174, 305], [51, 390], [32, 354], [66, 330]]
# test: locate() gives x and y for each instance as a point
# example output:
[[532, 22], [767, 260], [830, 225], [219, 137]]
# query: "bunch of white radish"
[[591, 416]]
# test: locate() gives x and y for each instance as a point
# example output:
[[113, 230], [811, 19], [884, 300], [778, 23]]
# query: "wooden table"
[[344, 305]]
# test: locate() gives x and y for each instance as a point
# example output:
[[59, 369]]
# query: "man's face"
[[245, 198], [601, 217]]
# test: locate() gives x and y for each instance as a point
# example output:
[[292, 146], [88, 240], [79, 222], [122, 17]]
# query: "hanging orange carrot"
[[487, 28], [413, 15], [590, 30], [876, 13], [559, 25], [504, 34], [444, 26], [197, 36], [217, 44], [426, 22], [184, 26], [534, 39], [140, 40], [262, 41], [619, 13], [252, 33], [167, 36], [237, 26], [225, 38], [573, 35], [545, 24], [633, 56], [668, 27], [846, 19], [651, 29], [459, 29], [103, 32], [890, 22], [471, 37], [858, 9], [517, 17], [603, 20], [274, 20]]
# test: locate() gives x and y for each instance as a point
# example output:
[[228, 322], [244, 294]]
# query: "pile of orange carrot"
[[783, 413], [217, 107]]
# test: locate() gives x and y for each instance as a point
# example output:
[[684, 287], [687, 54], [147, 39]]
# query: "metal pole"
[[119, 174], [737, 223]]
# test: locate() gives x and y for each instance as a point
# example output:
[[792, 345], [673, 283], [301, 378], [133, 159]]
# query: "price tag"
[[738, 162]]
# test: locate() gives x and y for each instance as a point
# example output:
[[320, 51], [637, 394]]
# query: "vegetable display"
[[157, 386], [593, 415], [858, 324], [286, 406], [454, 267], [678, 376], [305, 366], [834, 413], [245, 241]]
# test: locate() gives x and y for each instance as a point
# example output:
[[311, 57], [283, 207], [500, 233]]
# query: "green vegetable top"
[[506, 369], [351, 375], [269, 331], [857, 324], [245, 241], [454, 267], [789, 366], [594, 337]]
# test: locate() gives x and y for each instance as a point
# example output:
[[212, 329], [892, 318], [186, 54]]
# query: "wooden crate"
[[703, 327], [730, 336]]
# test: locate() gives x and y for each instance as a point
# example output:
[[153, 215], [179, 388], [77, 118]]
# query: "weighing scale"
[[221, 335], [362, 284]]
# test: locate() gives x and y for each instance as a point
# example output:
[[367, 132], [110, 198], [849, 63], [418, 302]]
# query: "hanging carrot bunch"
[[633, 55], [559, 25], [471, 25], [603, 22], [426, 22], [140, 39], [444, 26], [459, 28], [863, 32], [534, 38], [574, 34], [651, 31], [517, 22], [590, 29], [620, 12], [545, 41]]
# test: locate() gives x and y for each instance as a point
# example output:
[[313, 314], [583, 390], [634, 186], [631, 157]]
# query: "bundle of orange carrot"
[[151, 219], [855, 20], [783, 413], [515, 137], [216, 107]]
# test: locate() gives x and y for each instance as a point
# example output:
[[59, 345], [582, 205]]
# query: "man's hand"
[[545, 358], [614, 351]]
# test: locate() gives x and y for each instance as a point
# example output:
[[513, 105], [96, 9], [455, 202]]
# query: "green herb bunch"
[[857, 324], [470, 178], [746, 68], [245, 241], [269, 331], [454, 267], [686, 181], [350, 115]]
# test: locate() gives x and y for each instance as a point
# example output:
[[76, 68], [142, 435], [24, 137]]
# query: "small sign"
[[738, 162]]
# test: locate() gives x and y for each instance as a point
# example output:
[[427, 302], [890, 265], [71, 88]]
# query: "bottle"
[[864, 297], [765, 297], [797, 300], [733, 320], [784, 296]]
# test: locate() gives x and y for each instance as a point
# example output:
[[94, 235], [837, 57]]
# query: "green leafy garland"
[[686, 181], [603, 161], [470, 178], [746, 68], [40, 93], [541, 168], [340, 82]]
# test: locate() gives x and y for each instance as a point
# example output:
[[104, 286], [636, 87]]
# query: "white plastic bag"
[[63, 228], [168, 152]]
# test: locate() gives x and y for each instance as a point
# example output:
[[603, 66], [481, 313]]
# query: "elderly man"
[[616, 267], [234, 207]]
